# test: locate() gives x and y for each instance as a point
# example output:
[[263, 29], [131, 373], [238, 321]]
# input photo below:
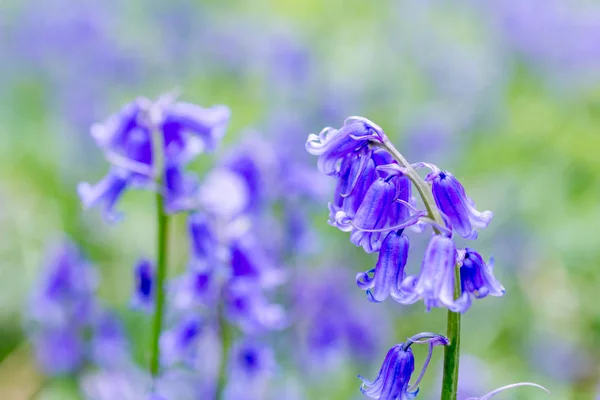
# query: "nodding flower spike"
[[393, 380], [389, 271], [503, 388], [435, 283], [332, 145], [143, 295], [453, 202], [477, 279]]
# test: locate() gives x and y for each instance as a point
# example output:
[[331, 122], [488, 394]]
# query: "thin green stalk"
[[161, 269], [162, 239], [225, 331], [452, 351]]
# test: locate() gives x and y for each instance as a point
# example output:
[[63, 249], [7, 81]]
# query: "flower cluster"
[[141, 134], [373, 201]]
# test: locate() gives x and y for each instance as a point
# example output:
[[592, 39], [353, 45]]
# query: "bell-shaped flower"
[[109, 346], [178, 344], [58, 351], [389, 271], [332, 145], [453, 202], [64, 293], [143, 293], [383, 209], [251, 367], [477, 278], [393, 380], [435, 283], [184, 130]]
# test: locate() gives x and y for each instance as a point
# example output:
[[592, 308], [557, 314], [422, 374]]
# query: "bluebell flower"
[[143, 293], [203, 240], [384, 208], [179, 343], [332, 145], [109, 345], [251, 366], [126, 138], [64, 294], [435, 283], [477, 279], [459, 209], [59, 351], [389, 273], [393, 380], [247, 306]]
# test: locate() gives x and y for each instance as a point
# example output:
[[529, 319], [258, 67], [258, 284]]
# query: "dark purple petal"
[[452, 200], [394, 376], [143, 295], [477, 277], [108, 191]]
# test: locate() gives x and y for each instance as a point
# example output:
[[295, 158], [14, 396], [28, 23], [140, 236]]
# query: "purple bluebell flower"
[[143, 294], [109, 345], [59, 351], [454, 203], [203, 241], [393, 380], [332, 145], [388, 274], [126, 138], [380, 212], [247, 306], [435, 283], [251, 366], [477, 279], [180, 342], [64, 294]]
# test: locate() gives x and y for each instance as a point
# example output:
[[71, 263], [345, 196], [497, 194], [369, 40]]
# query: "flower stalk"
[[162, 238], [452, 351]]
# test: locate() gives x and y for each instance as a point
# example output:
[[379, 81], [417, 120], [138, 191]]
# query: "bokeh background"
[[504, 93]]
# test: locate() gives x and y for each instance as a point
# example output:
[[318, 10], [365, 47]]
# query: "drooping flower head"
[[393, 380], [128, 139], [453, 202], [477, 279]]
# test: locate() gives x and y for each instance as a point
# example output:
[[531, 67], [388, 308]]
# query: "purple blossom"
[[180, 342], [435, 283], [388, 274], [109, 345], [476, 278], [393, 380], [143, 294], [332, 145], [126, 138], [453, 202], [59, 351], [251, 367], [64, 294]]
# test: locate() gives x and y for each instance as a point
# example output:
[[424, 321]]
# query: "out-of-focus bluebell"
[[64, 293], [143, 293], [331, 325], [393, 380], [247, 306], [61, 307], [184, 131], [109, 347], [179, 344], [251, 366]]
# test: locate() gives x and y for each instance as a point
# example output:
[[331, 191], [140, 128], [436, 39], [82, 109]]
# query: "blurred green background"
[[505, 94]]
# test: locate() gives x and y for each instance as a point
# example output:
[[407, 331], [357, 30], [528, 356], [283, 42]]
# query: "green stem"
[[452, 351], [225, 331], [161, 269], [162, 239]]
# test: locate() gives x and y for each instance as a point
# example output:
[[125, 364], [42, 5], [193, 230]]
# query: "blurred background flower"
[[505, 94]]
